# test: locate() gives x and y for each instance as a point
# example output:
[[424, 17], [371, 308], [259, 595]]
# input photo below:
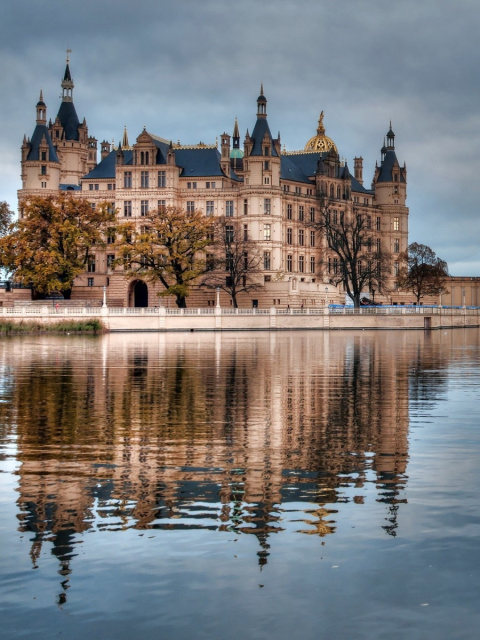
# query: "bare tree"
[[235, 265], [353, 256], [423, 272]]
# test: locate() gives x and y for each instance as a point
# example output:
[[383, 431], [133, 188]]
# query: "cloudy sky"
[[186, 68]]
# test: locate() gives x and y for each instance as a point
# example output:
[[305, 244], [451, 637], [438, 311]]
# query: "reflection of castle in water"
[[207, 431]]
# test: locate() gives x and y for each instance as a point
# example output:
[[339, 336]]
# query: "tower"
[[77, 151], [40, 164]]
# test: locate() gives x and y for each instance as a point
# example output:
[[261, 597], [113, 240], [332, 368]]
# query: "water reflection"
[[253, 434]]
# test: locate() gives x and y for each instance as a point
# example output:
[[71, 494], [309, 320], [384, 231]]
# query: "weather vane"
[[69, 51]]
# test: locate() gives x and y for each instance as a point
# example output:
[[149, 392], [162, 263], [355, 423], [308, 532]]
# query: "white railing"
[[49, 310]]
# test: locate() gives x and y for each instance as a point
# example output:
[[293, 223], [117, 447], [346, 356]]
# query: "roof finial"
[[69, 51]]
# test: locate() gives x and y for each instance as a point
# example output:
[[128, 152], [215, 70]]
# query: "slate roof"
[[386, 168], [195, 162], [261, 128], [69, 119], [39, 133], [302, 167]]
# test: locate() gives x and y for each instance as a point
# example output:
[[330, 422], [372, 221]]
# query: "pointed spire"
[[261, 104], [67, 82], [41, 110], [236, 132], [125, 143]]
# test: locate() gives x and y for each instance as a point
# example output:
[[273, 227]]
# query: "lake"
[[241, 486]]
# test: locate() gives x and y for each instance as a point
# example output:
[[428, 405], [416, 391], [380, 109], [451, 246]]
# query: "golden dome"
[[321, 142]]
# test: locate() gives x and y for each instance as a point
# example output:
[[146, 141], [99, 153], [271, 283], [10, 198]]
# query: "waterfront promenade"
[[228, 319]]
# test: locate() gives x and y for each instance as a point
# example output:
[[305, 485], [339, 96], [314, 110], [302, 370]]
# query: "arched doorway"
[[138, 294]]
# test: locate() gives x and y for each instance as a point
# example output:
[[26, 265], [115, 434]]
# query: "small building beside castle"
[[275, 194]]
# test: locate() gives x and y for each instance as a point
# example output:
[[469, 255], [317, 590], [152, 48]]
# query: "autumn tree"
[[353, 256], [6, 215], [423, 272], [235, 265], [52, 242], [169, 248]]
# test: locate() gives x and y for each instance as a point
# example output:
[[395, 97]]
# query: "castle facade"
[[274, 194]]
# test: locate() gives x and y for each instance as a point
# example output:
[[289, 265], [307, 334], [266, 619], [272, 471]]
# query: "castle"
[[273, 193]]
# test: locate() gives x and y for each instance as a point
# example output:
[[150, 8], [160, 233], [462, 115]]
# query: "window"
[[245, 262], [298, 191], [93, 206], [90, 282], [266, 165], [396, 224], [395, 269], [335, 265], [210, 262], [301, 237], [44, 185], [396, 245], [301, 263], [335, 216], [44, 156], [44, 170], [339, 193], [210, 185], [312, 238], [266, 180], [369, 222], [144, 157], [127, 209], [312, 214], [289, 211], [190, 206], [210, 208], [245, 207], [266, 151], [110, 260], [378, 224], [127, 180], [91, 264], [267, 231], [266, 260], [267, 206], [301, 213], [378, 243], [286, 188], [289, 263], [191, 185], [110, 186], [161, 180], [289, 236], [312, 264], [143, 207], [245, 232], [144, 179], [161, 204], [110, 236], [229, 233], [90, 187], [229, 209]]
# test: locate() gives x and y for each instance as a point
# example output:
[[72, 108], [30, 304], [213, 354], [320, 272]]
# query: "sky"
[[185, 69]]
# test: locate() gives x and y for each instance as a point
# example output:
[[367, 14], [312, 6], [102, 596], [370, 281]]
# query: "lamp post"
[[218, 297], [326, 296], [373, 295], [104, 295]]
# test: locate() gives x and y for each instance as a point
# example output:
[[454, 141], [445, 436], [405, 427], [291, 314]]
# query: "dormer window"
[[266, 151]]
